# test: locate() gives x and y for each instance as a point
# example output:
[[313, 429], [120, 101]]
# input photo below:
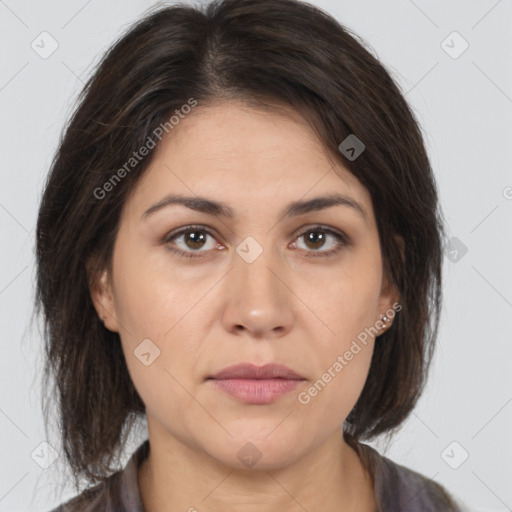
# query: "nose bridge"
[[257, 270], [257, 299]]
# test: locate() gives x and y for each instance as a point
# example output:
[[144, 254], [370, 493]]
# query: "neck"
[[177, 477]]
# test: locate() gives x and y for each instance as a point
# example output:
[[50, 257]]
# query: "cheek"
[[346, 299], [155, 303], [151, 297], [153, 318], [339, 383], [347, 305]]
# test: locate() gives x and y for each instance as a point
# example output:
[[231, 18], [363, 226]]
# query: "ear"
[[389, 301], [102, 295]]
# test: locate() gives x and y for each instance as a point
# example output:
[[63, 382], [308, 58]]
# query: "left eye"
[[316, 238], [194, 238]]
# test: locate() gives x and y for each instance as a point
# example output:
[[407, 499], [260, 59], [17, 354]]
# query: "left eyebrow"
[[294, 209]]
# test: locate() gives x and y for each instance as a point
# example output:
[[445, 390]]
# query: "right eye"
[[192, 238]]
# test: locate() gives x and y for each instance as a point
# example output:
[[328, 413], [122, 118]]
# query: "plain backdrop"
[[453, 61]]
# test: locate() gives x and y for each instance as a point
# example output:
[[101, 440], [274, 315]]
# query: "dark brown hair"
[[260, 52]]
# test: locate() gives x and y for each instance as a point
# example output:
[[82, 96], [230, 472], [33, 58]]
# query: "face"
[[256, 286]]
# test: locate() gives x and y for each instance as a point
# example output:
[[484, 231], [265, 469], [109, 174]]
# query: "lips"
[[252, 371], [256, 385]]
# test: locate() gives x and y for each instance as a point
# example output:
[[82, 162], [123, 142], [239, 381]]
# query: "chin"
[[257, 452]]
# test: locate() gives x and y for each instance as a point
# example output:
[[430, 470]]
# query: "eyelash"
[[342, 239]]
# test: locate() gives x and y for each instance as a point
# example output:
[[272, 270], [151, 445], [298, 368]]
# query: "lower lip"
[[256, 391]]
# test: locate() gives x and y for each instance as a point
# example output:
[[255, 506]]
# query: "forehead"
[[230, 134], [240, 155]]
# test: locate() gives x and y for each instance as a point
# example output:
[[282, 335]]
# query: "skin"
[[208, 312]]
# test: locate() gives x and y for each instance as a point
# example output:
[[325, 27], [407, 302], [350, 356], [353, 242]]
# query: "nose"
[[258, 303]]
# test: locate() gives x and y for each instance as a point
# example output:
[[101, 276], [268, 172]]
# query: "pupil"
[[196, 240], [316, 239]]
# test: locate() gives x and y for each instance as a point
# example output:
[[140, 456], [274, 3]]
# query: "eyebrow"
[[217, 209]]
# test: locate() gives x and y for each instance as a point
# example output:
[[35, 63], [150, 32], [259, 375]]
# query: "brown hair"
[[259, 52]]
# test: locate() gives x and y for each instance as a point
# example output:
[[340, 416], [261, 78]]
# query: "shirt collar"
[[129, 485]]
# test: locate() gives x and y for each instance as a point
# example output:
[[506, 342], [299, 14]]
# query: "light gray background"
[[465, 107]]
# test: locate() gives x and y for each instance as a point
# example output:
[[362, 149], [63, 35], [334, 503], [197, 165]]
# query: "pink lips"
[[257, 384]]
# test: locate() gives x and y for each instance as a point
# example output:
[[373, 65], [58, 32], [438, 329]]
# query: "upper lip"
[[252, 371]]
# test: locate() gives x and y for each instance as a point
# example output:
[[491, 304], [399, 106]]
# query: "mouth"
[[258, 385]]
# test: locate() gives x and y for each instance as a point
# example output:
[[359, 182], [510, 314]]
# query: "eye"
[[317, 237], [194, 241], [194, 238]]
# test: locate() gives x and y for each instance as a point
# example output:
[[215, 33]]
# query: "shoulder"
[[400, 488], [118, 492], [99, 498]]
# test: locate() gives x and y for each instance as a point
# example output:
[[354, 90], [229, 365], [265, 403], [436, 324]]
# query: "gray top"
[[397, 489]]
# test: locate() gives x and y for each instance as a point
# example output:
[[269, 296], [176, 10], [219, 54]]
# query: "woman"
[[240, 242]]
